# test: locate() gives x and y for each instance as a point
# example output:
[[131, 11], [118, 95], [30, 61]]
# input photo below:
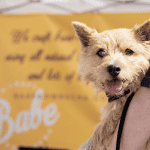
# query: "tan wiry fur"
[[93, 69]]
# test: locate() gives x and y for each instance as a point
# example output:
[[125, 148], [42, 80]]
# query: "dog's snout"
[[114, 70]]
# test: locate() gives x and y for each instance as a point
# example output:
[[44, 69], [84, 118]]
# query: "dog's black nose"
[[114, 70]]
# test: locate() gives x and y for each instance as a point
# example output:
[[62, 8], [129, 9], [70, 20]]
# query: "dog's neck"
[[112, 98]]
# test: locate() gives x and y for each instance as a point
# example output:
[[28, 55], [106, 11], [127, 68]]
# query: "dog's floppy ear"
[[83, 32], [142, 32]]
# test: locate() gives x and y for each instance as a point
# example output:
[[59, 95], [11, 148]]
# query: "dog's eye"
[[128, 52], [101, 53]]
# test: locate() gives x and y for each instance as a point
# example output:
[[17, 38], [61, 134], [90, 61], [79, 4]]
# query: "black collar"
[[117, 97], [146, 82]]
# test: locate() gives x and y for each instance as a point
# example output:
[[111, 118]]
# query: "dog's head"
[[114, 59]]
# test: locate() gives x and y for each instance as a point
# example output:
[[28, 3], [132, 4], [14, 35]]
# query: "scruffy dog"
[[114, 61]]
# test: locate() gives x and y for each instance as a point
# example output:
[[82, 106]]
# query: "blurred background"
[[73, 6]]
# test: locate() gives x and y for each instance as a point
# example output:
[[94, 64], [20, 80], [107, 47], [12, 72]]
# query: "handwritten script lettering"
[[61, 37], [17, 57], [37, 56], [53, 76], [43, 38], [58, 57], [35, 115], [37, 76], [70, 77], [19, 35]]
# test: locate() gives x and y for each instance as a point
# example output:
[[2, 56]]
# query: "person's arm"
[[136, 130]]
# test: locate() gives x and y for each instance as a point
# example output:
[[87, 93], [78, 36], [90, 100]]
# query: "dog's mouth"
[[114, 85]]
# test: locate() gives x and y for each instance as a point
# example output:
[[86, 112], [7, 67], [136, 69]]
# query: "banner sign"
[[43, 103]]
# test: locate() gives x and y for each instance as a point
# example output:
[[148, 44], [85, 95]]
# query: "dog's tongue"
[[114, 86]]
